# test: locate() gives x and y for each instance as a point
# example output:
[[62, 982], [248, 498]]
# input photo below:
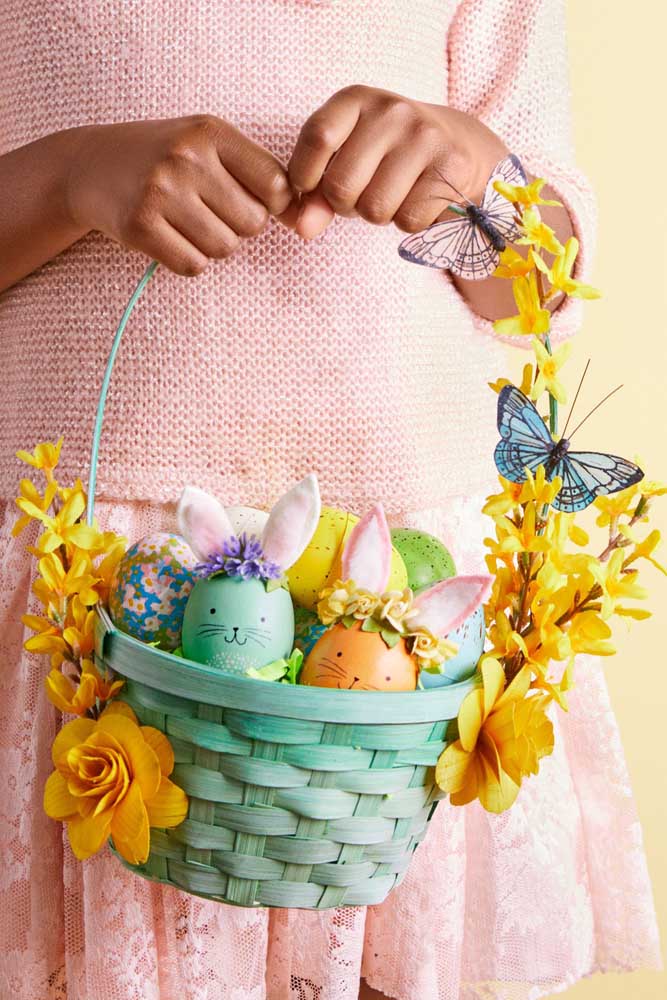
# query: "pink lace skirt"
[[512, 907]]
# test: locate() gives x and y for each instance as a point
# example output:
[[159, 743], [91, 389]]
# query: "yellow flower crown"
[[389, 614]]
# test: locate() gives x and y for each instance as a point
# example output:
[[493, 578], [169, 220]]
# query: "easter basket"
[[298, 796]]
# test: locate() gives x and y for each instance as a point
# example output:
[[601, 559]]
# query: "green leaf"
[[270, 585], [391, 637], [348, 621], [371, 625], [271, 672]]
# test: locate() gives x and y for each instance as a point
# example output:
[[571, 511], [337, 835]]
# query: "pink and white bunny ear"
[[292, 523], [446, 605], [367, 554], [203, 521]]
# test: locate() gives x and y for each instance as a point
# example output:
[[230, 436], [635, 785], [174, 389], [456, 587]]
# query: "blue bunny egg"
[[307, 629], [150, 589], [234, 624], [469, 637]]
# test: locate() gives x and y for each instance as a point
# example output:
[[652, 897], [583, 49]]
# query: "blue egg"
[[469, 637], [307, 629]]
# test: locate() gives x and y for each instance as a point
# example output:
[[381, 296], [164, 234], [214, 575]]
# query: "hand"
[[376, 154], [181, 190]]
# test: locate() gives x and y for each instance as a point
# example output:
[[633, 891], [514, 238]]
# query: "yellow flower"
[[644, 549], [521, 537], [537, 489], [531, 318], [79, 578], [616, 585], [396, 608], [513, 264], [45, 457], [68, 697], [559, 274], [31, 496], [333, 601], [111, 778], [502, 736], [49, 639], [65, 526], [499, 504], [538, 234], [549, 365], [506, 641], [526, 195], [589, 634], [79, 632], [429, 650], [616, 505], [652, 488], [526, 381]]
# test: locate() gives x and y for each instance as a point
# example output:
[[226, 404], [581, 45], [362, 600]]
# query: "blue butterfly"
[[526, 442]]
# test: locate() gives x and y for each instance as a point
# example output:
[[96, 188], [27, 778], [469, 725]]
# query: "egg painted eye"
[[339, 654], [387, 678], [262, 619], [212, 611]]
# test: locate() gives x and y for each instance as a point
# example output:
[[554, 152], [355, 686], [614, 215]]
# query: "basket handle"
[[97, 432]]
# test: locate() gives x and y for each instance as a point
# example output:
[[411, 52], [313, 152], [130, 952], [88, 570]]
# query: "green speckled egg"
[[426, 558]]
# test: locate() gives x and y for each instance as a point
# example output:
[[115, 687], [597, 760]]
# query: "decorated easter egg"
[[307, 629], [320, 563], [426, 558], [150, 589], [247, 519], [469, 637], [233, 624], [359, 661]]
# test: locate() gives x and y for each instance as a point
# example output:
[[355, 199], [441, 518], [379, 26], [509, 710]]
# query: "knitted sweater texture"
[[333, 355]]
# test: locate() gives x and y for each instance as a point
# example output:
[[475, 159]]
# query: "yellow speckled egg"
[[320, 563]]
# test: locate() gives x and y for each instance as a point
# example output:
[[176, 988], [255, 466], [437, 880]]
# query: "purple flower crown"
[[240, 556]]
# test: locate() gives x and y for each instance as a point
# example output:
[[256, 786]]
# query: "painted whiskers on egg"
[[329, 670], [212, 629]]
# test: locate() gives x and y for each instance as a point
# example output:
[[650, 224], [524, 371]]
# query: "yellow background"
[[618, 61]]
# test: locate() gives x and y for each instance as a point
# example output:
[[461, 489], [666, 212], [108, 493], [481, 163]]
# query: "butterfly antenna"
[[449, 183], [609, 394], [574, 401]]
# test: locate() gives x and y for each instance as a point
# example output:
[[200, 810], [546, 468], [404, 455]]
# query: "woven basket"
[[298, 796]]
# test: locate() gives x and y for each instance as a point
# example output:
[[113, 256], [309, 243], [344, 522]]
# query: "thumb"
[[315, 215]]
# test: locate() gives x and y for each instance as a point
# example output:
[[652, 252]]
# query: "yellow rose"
[[111, 777], [396, 608]]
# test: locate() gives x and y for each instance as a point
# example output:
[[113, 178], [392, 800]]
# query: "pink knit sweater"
[[334, 356]]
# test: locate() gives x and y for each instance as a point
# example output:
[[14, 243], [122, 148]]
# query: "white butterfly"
[[470, 243]]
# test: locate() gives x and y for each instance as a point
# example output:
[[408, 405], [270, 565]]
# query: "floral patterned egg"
[[151, 587], [307, 629], [469, 637]]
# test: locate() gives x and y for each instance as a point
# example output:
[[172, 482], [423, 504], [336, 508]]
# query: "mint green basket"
[[298, 796]]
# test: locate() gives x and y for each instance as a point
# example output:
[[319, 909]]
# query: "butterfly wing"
[[456, 245], [499, 211], [587, 474], [524, 439]]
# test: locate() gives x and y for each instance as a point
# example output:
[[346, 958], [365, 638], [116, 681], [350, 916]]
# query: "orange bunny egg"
[[362, 661]]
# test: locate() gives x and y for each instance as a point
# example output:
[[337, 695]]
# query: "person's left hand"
[[381, 156]]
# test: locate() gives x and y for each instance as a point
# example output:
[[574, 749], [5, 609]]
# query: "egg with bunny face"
[[234, 624], [240, 612]]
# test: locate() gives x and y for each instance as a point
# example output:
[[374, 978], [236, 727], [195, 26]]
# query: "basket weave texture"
[[299, 796]]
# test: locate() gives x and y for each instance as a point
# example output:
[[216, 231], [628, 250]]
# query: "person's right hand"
[[182, 190]]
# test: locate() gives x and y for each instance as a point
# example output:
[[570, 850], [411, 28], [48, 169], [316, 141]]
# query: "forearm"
[[35, 223], [492, 298]]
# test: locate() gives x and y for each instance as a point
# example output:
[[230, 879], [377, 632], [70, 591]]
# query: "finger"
[[315, 215], [323, 133], [391, 184], [353, 166], [256, 169], [165, 244], [290, 216], [423, 205], [245, 214], [201, 227]]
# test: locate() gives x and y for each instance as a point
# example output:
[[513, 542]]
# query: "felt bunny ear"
[[203, 521], [367, 554], [446, 605], [292, 523]]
